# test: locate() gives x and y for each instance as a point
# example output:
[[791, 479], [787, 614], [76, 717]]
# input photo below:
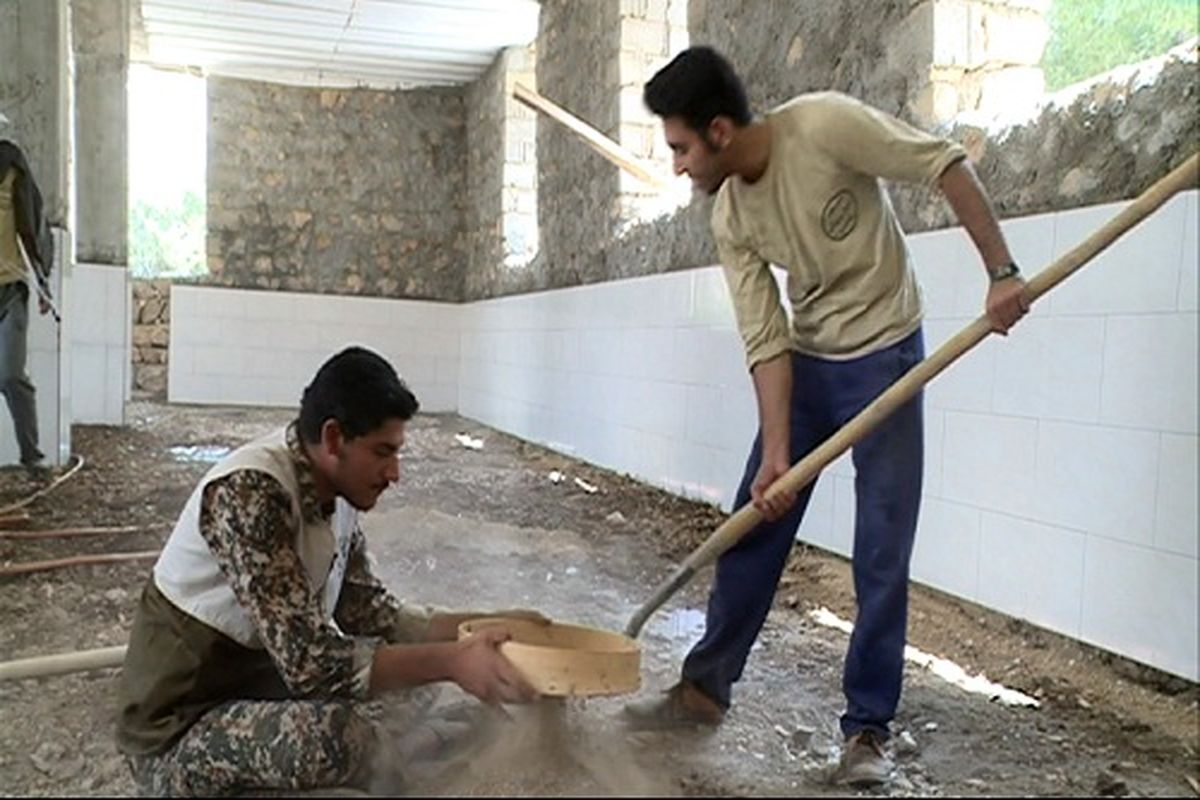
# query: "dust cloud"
[[552, 747]]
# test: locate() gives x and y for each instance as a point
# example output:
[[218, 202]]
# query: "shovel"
[[806, 470]]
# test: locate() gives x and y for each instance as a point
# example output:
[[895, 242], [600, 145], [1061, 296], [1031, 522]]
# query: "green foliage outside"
[[1088, 37], [167, 240]]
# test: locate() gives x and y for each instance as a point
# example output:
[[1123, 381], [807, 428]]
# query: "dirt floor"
[[490, 528]]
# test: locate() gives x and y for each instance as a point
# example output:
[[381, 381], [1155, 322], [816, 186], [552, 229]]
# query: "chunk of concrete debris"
[[801, 737], [797, 739], [468, 441], [615, 518], [556, 476], [587, 487], [931, 726], [51, 759], [1109, 785], [905, 744], [46, 756]]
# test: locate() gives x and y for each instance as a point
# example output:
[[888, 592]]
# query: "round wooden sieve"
[[567, 660]]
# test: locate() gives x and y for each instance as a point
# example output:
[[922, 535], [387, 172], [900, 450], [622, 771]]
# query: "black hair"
[[698, 85], [360, 390]]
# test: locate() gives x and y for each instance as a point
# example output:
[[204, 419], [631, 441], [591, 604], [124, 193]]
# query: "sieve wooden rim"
[[561, 660]]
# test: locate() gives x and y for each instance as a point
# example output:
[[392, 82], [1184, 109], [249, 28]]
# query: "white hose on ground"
[[45, 489]]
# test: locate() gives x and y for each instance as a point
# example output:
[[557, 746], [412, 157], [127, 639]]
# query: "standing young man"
[[801, 188], [263, 630]]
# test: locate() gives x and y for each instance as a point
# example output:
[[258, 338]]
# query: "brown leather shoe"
[[681, 706], [864, 762]]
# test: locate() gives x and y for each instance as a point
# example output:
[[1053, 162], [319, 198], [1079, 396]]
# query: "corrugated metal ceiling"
[[378, 43]]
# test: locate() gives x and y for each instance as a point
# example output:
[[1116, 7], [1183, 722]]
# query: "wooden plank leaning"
[[603, 145]]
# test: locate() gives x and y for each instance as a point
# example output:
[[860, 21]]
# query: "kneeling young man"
[[262, 631]]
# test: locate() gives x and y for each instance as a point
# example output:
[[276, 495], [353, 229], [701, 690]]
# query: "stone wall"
[[1107, 142], [592, 60], [151, 337], [924, 60], [876, 50], [1110, 141], [337, 191]]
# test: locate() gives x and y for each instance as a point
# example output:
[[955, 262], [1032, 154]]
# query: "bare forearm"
[[969, 200], [773, 387], [474, 663], [398, 666]]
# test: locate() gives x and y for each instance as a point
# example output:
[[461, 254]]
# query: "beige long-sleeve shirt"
[[821, 212]]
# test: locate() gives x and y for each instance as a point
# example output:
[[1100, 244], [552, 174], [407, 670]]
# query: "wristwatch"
[[1003, 271]]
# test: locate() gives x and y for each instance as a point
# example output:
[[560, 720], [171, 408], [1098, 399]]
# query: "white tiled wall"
[[1061, 461], [1075, 440], [98, 310], [46, 362], [243, 347], [645, 376]]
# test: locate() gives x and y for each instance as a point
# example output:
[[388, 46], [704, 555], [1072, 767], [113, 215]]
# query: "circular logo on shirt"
[[840, 215]]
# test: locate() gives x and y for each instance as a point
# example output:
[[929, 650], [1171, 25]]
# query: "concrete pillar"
[[100, 30], [35, 93]]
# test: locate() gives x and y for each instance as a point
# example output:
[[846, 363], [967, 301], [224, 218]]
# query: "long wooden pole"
[[60, 533], [806, 470], [74, 561], [16, 519], [62, 663]]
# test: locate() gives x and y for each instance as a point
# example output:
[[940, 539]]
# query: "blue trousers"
[[888, 465]]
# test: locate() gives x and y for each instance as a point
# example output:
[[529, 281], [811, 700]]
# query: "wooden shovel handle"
[[903, 390]]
